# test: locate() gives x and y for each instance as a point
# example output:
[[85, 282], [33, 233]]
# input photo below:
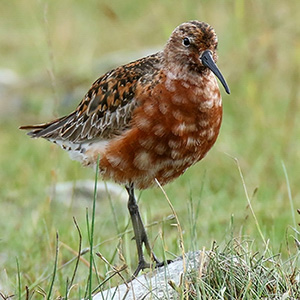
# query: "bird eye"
[[186, 42]]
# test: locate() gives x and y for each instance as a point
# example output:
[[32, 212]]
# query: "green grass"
[[57, 49], [235, 272]]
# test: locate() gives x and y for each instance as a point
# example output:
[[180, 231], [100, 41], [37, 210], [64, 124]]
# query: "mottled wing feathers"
[[106, 109]]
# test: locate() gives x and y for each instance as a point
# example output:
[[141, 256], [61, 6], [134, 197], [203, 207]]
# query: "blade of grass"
[[69, 284], [54, 270], [79, 251], [112, 208], [289, 194], [19, 279], [181, 244], [67, 289], [91, 232], [248, 198]]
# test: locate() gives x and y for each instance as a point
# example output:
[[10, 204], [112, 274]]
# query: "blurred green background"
[[51, 52]]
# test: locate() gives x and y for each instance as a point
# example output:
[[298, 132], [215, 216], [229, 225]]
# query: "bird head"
[[193, 45]]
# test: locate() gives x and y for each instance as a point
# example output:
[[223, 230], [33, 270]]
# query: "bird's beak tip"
[[207, 61]]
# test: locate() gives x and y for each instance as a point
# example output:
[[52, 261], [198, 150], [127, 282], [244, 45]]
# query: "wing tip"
[[46, 130], [34, 129]]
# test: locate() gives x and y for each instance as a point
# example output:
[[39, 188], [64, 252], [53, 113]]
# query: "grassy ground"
[[57, 48]]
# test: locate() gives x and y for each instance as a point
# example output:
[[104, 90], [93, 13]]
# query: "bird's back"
[[104, 112]]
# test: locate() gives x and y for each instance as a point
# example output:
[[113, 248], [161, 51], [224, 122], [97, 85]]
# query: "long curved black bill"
[[208, 61]]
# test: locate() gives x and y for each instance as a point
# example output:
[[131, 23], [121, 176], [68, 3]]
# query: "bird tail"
[[46, 130]]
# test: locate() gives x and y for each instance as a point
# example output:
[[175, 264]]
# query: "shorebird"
[[148, 120]]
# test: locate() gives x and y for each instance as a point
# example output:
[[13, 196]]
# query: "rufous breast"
[[174, 125]]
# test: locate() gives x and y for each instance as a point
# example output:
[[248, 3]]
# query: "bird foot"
[[163, 263], [142, 265]]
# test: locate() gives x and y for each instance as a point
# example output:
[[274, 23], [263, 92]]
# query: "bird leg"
[[139, 233]]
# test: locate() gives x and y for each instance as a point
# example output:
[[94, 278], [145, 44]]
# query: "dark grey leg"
[[139, 233]]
